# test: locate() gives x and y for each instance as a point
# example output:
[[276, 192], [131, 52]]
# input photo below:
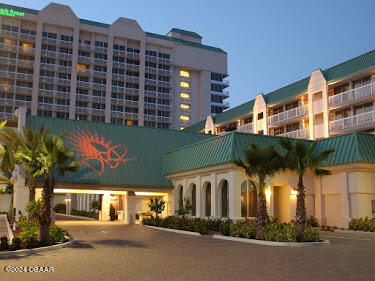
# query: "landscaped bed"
[[26, 236], [272, 231]]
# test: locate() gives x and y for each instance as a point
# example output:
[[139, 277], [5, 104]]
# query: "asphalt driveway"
[[112, 251]]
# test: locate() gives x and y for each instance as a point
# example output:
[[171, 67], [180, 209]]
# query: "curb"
[[79, 217], [174, 230], [354, 232], [10, 232], [272, 243], [14, 254]]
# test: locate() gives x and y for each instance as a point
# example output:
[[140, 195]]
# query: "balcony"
[[246, 128], [131, 66], [7, 116], [98, 111], [99, 74], [8, 47], [164, 83], [83, 97], [24, 90], [353, 95], [118, 77], [60, 107], [64, 56], [298, 134], [6, 102], [26, 50], [100, 49], [354, 122], [100, 61], [85, 59], [7, 74], [83, 84], [132, 55], [118, 89], [23, 103], [97, 86], [165, 61], [150, 117], [131, 115], [8, 61], [165, 72], [288, 115], [164, 96], [46, 93], [119, 53], [151, 70], [47, 79], [150, 82], [65, 43], [62, 81], [46, 106], [26, 63], [82, 110], [8, 33], [66, 69], [27, 36], [150, 94], [86, 47], [131, 103], [165, 107], [98, 99], [48, 66], [118, 64], [134, 79], [151, 58], [49, 41], [131, 91], [150, 105], [164, 119], [50, 54], [63, 95], [117, 101]]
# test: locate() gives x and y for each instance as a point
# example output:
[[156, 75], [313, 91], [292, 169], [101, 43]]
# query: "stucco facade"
[[58, 65]]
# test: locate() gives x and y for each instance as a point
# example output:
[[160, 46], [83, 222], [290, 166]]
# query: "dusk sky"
[[269, 43]]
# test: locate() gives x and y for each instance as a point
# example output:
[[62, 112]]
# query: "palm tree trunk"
[[301, 208], [262, 217], [45, 212], [32, 186]]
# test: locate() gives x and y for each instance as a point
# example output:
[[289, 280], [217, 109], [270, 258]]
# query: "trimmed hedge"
[[362, 224], [85, 214], [273, 231]]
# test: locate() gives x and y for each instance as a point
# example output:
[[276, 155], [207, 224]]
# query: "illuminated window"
[[184, 106], [185, 96], [184, 84], [129, 122], [81, 67], [184, 117], [27, 46], [181, 128], [184, 73]]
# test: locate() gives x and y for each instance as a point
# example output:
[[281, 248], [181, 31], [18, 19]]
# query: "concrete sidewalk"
[[4, 228]]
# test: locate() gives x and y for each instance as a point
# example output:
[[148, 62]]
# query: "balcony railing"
[[353, 122], [299, 111], [353, 95], [298, 134], [318, 106], [246, 128], [132, 66], [151, 69], [7, 116], [150, 93]]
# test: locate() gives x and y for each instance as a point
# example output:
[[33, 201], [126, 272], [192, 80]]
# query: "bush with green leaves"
[[57, 234], [29, 228], [33, 209], [244, 229], [156, 205], [312, 221], [194, 225], [16, 244], [60, 208], [85, 214], [362, 224], [3, 243], [280, 232], [32, 242], [184, 207]]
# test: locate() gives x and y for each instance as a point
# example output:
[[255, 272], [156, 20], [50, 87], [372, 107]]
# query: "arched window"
[[224, 199], [208, 200], [193, 199], [248, 199]]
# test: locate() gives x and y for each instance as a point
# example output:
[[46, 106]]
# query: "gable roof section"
[[186, 32], [350, 148], [146, 145], [350, 67], [342, 70], [197, 127]]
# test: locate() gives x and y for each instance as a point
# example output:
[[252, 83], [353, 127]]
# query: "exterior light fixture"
[[268, 194], [294, 191]]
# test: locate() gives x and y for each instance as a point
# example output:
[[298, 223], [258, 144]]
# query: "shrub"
[[310, 235], [312, 221], [279, 232], [214, 224], [31, 242], [224, 227], [57, 234], [362, 224], [85, 214], [3, 243], [244, 229], [33, 209], [194, 225], [60, 208], [29, 229], [184, 207], [16, 244], [156, 206]]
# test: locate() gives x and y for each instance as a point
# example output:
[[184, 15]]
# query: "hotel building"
[[57, 65], [329, 102]]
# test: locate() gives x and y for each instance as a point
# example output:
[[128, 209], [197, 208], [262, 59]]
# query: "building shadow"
[[120, 243]]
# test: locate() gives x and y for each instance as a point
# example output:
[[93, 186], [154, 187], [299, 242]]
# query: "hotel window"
[[149, 124], [81, 104], [184, 106], [163, 125], [248, 120], [96, 118], [361, 82], [184, 74], [292, 127], [292, 105], [185, 95], [62, 115], [340, 89], [81, 67], [343, 113], [260, 116], [278, 131], [184, 117], [277, 110], [184, 84], [363, 108]]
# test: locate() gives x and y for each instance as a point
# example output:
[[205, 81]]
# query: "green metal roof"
[[350, 148], [184, 42], [146, 145], [95, 23], [350, 67], [197, 127], [186, 32], [20, 9], [235, 112]]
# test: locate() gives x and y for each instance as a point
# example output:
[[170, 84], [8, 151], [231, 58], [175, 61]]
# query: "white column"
[[344, 200], [130, 204], [213, 196], [319, 207], [20, 192], [234, 190], [106, 201], [68, 204], [198, 197]]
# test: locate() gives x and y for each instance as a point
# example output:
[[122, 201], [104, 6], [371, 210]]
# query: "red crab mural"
[[96, 152]]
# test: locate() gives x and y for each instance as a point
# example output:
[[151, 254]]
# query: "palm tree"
[[301, 156], [2, 125], [51, 157], [260, 163], [13, 140]]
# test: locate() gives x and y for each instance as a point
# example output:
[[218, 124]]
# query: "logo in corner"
[[96, 152]]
